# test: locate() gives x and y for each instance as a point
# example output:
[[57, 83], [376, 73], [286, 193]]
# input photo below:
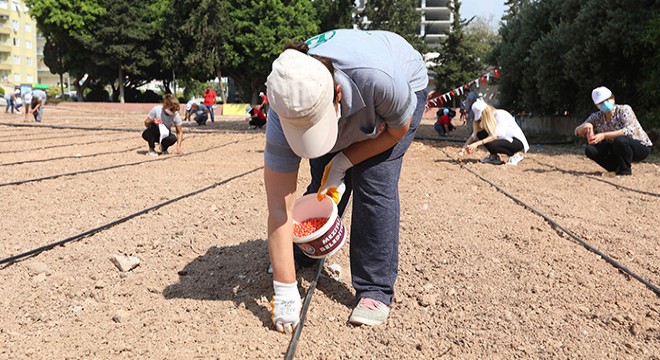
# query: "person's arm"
[[470, 148], [584, 129], [148, 121], [363, 150], [472, 138], [280, 195], [179, 138], [35, 108]]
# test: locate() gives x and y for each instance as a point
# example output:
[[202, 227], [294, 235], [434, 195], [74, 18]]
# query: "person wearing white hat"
[[614, 136], [264, 106], [498, 132], [443, 124], [350, 101]]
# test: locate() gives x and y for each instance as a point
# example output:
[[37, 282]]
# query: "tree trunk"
[[222, 86], [62, 85], [121, 85], [174, 83], [80, 88]]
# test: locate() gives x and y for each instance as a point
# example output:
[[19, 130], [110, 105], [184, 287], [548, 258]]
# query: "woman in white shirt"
[[498, 132]]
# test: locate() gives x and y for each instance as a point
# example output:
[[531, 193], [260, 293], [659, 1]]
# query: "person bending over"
[[37, 105], [498, 132], [159, 124], [614, 136], [350, 101]]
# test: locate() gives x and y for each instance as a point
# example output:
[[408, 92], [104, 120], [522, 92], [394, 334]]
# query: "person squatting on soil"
[[443, 124], [37, 104], [200, 111], [350, 101], [159, 123], [256, 117], [615, 137], [498, 132]]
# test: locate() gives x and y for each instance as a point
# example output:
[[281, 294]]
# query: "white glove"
[[285, 306], [332, 183]]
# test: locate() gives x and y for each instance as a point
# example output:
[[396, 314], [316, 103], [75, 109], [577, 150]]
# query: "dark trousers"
[[374, 243], [501, 146], [618, 155], [211, 112], [152, 134], [258, 122], [441, 128]]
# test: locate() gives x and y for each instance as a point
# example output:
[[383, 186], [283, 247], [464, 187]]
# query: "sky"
[[483, 8]]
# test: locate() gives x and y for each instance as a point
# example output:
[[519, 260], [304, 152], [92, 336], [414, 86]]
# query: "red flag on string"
[[497, 74]]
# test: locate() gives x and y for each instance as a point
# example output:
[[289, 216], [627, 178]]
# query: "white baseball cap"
[[477, 108], [301, 91], [600, 94]]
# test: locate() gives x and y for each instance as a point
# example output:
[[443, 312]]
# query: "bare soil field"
[[481, 276]]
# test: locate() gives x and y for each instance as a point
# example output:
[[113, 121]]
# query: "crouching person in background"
[[159, 126], [256, 117]]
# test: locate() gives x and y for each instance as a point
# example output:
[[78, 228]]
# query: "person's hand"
[[470, 148], [285, 307], [461, 154], [332, 183], [595, 139], [158, 121]]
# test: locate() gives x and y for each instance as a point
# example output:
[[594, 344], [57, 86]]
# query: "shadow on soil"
[[239, 273]]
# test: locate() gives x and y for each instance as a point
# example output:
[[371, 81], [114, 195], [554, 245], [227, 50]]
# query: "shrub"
[[97, 95], [150, 96]]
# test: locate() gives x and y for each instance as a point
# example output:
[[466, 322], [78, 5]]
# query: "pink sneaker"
[[369, 312]]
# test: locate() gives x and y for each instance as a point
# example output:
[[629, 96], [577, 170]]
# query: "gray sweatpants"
[[374, 242]]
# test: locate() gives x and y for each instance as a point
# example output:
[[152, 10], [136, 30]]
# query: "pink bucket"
[[330, 237]]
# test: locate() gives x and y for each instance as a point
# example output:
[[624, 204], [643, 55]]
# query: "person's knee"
[[620, 142], [591, 152]]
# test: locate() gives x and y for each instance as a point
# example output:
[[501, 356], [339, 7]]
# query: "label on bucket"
[[326, 244]]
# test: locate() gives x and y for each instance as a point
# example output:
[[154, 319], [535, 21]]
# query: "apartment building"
[[436, 19], [18, 45]]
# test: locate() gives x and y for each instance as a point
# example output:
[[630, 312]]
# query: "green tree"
[[123, 42], [459, 61], [202, 31], [514, 8], [66, 25], [334, 14], [398, 16], [262, 30], [547, 68]]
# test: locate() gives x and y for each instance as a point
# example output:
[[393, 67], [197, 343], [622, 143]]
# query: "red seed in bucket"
[[308, 226]]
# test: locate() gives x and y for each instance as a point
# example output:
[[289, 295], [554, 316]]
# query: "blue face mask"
[[607, 106]]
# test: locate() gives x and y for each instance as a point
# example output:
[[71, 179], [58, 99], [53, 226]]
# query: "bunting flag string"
[[440, 100]]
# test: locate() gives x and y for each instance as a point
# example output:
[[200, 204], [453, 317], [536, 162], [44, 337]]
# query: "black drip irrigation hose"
[[449, 139], [69, 157], [191, 130], [111, 167], [10, 260], [23, 139], [70, 127], [63, 145], [598, 179], [293, 344], [582, 242]]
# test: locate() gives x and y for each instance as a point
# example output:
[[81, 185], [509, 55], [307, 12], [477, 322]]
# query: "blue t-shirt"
[[379, 73]]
